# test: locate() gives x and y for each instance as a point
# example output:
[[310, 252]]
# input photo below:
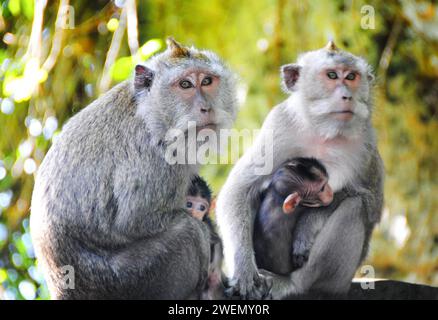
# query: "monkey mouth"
[[343, 114], [342, 111], [310, 204]]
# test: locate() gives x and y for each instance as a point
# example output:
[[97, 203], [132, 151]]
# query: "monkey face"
[[319, 197], [334, 89], [197, 206], [197, 89], [189, 88], [302, 181]]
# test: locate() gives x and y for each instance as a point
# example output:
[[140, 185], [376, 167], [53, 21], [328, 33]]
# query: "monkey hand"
[[253, 286]]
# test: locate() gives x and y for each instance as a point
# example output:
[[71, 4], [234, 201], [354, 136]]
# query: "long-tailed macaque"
[[108, 209], [328, 117]]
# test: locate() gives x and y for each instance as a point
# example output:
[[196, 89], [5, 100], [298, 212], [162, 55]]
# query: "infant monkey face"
[[304, 181], [321, 198], [198, 207]]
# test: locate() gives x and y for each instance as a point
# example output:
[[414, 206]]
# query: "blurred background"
[[58, 56]]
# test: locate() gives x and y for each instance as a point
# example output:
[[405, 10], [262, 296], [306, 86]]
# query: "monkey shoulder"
[[279, 118]]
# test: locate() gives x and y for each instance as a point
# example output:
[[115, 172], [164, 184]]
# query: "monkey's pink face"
[[343, 84], [318, 194], [199, 88], [197, 206]]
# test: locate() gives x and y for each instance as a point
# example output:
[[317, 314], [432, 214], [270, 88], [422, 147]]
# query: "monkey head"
[[198, 200], [302, 181], [334, 90], [197, 206], [185, 85]]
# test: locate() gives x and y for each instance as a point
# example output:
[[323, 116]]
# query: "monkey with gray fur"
[[106, 203], [297, 184], [199, 205], [327, 117]]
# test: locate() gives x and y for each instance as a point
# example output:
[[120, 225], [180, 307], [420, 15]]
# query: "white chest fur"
[[342, 158]]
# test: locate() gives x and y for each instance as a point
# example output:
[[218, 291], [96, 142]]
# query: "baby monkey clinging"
[[199, 204], [298, 183]]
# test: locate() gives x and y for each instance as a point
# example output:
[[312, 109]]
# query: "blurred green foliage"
[[48, 74]]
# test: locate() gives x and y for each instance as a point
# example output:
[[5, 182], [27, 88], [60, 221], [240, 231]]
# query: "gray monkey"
[[327, 117], [108, 209]]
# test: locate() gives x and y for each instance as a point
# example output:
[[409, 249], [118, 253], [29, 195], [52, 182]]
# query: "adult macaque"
[[297, 184], [106, 202], [199, 205], [327, 117]]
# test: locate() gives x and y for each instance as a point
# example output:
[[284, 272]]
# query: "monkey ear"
[[291, 202], [213, 205], [289, 76], [143, 77]]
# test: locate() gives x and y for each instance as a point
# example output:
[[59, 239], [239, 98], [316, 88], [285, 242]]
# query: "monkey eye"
[[206, 81], [332, 75], [351, 76], [202, 207], [185, 84], [189, 204], [323, 187]]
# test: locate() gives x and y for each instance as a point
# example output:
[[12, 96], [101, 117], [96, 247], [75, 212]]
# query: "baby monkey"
[[298, 183], [199, 204]]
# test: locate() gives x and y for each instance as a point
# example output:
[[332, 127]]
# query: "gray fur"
[[107, 203], [301, 128]]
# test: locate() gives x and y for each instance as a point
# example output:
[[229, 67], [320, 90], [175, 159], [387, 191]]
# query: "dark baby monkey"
[[198, 204], [298, 183]]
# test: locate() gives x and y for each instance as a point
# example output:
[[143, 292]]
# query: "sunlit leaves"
[[150, 47], [21, 6], [14, 7], [112, 24], [3, 274], [124, 66], [25, 280], [7, 106], [27, 7], [21, 87]]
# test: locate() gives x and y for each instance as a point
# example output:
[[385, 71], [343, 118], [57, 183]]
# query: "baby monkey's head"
[[198, 200], [302, 181]]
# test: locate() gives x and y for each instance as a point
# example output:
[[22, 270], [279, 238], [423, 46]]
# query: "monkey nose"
[[347, 98]]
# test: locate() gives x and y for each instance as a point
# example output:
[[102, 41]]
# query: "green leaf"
[[27, 7], [14, 7], [150, 47], [122, 68], [3, 275]]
